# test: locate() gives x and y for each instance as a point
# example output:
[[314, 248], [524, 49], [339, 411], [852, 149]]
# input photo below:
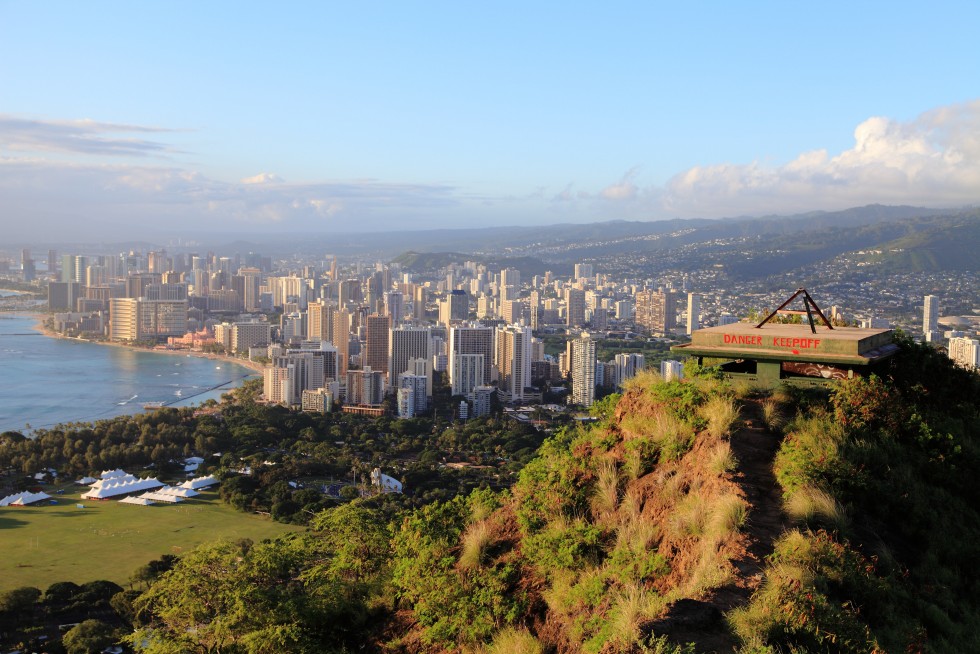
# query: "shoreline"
[[254, 366]]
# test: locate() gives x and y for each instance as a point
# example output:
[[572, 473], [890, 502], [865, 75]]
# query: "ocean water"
[[45, 381]]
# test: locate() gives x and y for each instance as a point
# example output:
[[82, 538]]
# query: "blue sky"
[[129, 116]]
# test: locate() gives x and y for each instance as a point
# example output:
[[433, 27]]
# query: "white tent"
[[23, 499], [135, 500], [161, 497], [178, 491], [106, 488], [86, 481], [111, 474], [200, 482]]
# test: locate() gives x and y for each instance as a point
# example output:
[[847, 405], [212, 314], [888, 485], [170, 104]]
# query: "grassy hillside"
[[725, 519], [939, 245], [693, 516]]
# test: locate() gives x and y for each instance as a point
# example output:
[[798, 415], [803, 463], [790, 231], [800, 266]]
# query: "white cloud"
[[625, 189], [263, 178], [86, 137], [933, 160]]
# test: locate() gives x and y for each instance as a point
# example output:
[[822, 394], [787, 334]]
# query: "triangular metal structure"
[[808, 304]]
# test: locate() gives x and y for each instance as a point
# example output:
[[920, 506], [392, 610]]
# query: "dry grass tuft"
[[476, 540], [644, 379], [721, 413], [690, 516], [721, 459], [632, 607], [728, 515], [811, 506], [515, 640], [772, 414], [712, 570], [605, 497], [745, 389]]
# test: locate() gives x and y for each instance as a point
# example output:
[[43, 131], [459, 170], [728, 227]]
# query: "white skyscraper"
[[693, 313], [583, 370], [627, 365], [417, 385], [965, 352], [671, 370], [930, 314]]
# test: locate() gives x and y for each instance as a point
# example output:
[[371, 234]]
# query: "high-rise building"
[[405, 401], [327, 354], [378, 335], [627, 365], [574, 307], [965, 352], [513, 361], [656, 311], [134, 319], [417, 385], [251, 282], [349, 291], [393, 304], [291, 373], [583, 366], [470, 340], [245, 335], [693, 313], [600, 319], [365, 387], [341, 339], [482, 400], [468, 374], [319, 321], [671, 370], [583, 271], [510, 277], [930, 314], [512, 311], [419, 298], [28, 271], [454, 308], [62, 296], [409, 343]]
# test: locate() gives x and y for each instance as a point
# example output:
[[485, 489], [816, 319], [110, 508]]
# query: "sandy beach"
[[253, 365]]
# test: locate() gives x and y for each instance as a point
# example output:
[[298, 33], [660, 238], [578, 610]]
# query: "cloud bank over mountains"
[[933, 160], [82, 178]]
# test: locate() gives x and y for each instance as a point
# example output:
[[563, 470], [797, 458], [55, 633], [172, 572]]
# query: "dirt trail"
[[702, 622]]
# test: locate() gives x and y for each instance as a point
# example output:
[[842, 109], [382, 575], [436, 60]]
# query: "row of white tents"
[[167, 494], [23, 499], [118, 483], [127, 484]]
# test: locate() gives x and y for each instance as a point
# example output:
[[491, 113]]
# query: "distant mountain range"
[[910, 239]]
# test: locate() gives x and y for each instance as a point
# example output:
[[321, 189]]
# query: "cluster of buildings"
[[363, 333]]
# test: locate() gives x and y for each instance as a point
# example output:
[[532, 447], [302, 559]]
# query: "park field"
[[40, 545]]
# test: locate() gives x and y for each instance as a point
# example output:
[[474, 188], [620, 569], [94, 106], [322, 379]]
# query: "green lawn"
[[108, 540]]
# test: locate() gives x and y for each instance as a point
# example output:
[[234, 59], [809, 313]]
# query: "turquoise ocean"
[[45, 381]]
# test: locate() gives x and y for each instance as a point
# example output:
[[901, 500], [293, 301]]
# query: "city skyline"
[[141, 120]]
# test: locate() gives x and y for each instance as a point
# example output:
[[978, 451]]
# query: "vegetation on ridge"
[[693, 516]]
